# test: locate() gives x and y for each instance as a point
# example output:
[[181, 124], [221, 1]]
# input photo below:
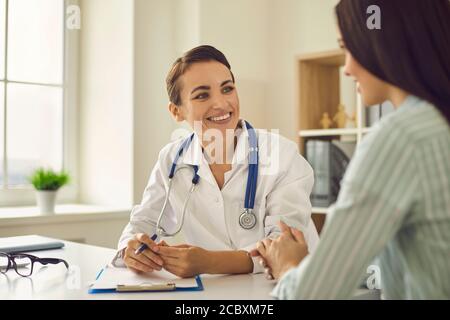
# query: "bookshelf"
[[319, 91], [327, 132]]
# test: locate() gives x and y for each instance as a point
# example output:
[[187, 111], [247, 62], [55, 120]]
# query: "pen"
[[143, 246]]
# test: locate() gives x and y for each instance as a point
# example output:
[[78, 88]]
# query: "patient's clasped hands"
[[283, 253]]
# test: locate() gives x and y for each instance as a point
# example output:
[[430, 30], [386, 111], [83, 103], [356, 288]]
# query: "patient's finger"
[[283, 226], [298, 235], [268, 274], [267, 242], [262, 262], [254, 253], [261, 248], [285, 229]]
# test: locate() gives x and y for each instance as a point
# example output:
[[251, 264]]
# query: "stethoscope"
[[247, 219]]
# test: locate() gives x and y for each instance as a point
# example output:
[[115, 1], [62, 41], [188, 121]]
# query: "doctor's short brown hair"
[[202, 53]]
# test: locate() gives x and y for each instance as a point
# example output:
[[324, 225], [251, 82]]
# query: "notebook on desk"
[[112, 279], [28, 244]]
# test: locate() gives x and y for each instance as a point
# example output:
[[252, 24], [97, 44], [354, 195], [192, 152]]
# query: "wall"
[[296, 27], [154, 53], [240, 29], [106, 102]]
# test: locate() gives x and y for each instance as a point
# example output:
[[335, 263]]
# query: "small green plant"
[[48, 180]]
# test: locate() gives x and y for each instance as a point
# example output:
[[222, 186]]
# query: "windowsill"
[[13, 216]]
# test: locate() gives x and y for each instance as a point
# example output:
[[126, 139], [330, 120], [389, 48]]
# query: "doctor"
[[243, 181]]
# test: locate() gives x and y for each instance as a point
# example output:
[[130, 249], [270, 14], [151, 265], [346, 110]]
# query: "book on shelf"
[[329, 160]]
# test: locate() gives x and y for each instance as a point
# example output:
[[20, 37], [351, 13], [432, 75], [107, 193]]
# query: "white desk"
[[54, 282]]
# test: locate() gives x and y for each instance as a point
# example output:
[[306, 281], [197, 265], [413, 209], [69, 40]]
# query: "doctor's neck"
[[219, 146]]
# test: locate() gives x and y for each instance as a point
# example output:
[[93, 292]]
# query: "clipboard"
[[161, 281]]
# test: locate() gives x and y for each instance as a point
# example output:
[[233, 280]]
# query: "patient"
[[394, 202]]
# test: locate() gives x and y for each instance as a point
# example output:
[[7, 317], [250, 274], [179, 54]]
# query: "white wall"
[[106, 100], [296, 27], [239, 28], [154, 54], [186, 25]]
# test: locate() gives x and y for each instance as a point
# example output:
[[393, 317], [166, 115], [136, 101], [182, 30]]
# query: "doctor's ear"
[[176, 112]]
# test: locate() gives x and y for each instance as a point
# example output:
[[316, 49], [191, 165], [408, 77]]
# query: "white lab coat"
[[285, 180]]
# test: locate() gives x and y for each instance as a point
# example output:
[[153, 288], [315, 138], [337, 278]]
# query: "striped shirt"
[[394, 206]]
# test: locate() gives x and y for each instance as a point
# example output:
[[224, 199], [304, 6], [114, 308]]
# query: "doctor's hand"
[[148, 260], [184, 261], [282, 254]]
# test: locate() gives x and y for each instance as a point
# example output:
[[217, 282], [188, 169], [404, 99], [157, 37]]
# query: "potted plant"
[[47, 184]]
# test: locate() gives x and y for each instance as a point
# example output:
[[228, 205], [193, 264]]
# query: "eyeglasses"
[[23, 263]]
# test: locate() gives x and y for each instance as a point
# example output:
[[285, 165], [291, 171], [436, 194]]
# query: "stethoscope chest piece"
[[247, 219]]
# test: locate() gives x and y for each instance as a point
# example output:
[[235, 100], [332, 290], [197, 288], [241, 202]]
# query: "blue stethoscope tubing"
[[247, 219]]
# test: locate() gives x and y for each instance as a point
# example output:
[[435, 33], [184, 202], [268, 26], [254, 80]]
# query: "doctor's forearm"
[[223, 262]]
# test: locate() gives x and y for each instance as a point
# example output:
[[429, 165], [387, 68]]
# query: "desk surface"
[[54, 282]]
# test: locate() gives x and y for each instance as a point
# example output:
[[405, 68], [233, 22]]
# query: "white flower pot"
[[46, 201]]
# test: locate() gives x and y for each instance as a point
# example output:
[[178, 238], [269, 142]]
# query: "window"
[[31, 88], [34, 95]]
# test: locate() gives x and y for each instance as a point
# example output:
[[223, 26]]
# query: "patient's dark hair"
[[181, 65], [411, 50]]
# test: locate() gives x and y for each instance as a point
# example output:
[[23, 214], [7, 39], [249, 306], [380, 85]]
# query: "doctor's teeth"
[[224, 117]]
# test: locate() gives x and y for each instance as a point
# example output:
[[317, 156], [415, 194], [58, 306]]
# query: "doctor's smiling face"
[[202, 92], [208, 97]]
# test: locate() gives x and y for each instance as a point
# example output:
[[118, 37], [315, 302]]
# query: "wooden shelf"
[[366, 130], [319, 92], [326, 58], [328, 132]]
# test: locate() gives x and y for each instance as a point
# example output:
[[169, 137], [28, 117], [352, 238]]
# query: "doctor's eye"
[[201, 96], [227, 89]]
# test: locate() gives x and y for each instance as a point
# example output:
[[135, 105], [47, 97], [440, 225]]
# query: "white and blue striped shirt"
[[394, 205]]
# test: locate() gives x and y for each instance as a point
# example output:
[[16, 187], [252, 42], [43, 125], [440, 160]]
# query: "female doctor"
[[243, 181]]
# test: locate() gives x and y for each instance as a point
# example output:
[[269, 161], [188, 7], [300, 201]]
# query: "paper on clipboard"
[[112, 278]]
